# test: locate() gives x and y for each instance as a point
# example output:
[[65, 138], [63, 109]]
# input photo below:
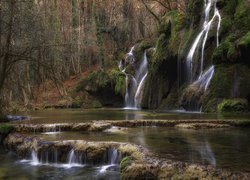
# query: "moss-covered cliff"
[[166, 85]]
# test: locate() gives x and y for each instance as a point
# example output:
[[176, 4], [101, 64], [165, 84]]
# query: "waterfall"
[[134, 84], [202, 39], [196, 76], [73, 160], [34, 158], [52, 129], [113, 159], [205, 78]]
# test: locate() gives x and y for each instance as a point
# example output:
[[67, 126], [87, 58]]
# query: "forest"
[[85, 82]]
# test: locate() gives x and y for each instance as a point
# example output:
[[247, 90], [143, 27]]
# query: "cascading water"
[[202, 36], [73, 160], [134, 84], [51, 157], [34, 158], [204, 77], [113, 159]]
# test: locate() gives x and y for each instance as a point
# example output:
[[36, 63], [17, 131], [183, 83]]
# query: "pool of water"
[[11, 167], [222, 148], [227, 148], [85, 115]]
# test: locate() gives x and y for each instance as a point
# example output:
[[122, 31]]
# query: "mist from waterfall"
[[134, 83]]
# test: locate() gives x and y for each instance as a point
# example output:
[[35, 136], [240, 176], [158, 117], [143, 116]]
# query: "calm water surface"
[[83, 115]]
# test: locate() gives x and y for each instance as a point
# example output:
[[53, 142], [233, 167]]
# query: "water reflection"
[[205, 151]]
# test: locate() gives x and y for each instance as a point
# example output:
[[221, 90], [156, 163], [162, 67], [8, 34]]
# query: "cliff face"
[[167, 84]]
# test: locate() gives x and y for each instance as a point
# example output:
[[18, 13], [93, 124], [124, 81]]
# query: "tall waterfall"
[[201, 40], [199, 76], [134, 83]]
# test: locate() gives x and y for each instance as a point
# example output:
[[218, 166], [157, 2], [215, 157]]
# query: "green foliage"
[[242, 16], [117, 78], [95, 80], [223, 82], [225, 52], [177, 20], [5, 129], [96, 104], [125, 162], [233, 105], [230, 7], [102, 79], [245, 40], [194, 11], [161, 48], [226, 25]]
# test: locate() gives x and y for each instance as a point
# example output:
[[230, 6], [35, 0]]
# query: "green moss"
[[3, 173], [226, 25], [194, 11], [6, 128], [210, 106], [161, 48], [96, 104], [233, 105], [245, 40], [219, 88], [126, 161], [230, 7], [145, 44], [101, 79], [177, 23], [242, 16], [225, 52]]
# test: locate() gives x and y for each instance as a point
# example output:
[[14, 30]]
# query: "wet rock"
[[140, 171], [202, 126], [116, 130], [99, 126]]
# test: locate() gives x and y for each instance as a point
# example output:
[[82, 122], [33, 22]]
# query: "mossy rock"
[[107, 87], [161, 48], [229, 82], [5, 129], [245, 40], [233, 105], [242, 16], [2, 117], [244, 47], [194, 11], [226, 52]]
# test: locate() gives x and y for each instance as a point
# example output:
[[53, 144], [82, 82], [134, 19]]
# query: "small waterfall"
[[73, 160], [34, 158], [52, 129], [134, 84], [113, 159], [51, 159]]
